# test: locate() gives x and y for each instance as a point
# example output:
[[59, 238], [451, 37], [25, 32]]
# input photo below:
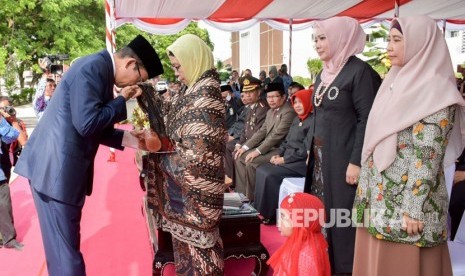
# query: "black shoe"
[[14, 244], [269, 221]]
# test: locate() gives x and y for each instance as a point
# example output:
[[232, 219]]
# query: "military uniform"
[[255, 117]]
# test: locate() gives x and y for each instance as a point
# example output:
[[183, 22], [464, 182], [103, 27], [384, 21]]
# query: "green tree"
[[31, 29], [306, 82], [314, 66], [126, 33], [377, 56], [219, 65]]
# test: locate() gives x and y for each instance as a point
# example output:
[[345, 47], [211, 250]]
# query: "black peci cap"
[[146, 53], [275, 86], [226, 87]]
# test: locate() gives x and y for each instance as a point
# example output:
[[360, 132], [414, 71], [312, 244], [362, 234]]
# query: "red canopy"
[[171, 16]]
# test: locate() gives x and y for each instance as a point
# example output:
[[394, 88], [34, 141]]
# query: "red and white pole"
[[110, 34]]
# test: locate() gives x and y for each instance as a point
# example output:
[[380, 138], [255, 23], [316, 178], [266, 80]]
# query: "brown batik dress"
[[185, 187]]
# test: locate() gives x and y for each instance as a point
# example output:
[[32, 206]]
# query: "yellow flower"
[[359, 191], [418, 183], [379, 236], [415, 191], [404, 178], [380, 186], [419, 244], [419, 164], [444, 123], [418, 129]]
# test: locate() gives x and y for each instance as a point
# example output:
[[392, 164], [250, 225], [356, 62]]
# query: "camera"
[[54, 63], [9, 110]]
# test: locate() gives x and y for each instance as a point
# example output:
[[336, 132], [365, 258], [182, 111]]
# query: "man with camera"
[[59, 157], [45, 88], [11, 133], [43, 96]]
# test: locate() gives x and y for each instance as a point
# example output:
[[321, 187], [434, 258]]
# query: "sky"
[[221, 39]]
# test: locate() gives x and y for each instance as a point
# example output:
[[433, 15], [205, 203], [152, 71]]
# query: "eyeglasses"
[[176, 67], [138, 71]]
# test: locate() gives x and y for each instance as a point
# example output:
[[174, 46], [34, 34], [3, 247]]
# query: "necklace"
[[320, 94]]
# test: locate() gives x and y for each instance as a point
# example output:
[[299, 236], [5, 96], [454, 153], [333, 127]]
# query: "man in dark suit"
[[265, 142], [233, 106], [59, 157]]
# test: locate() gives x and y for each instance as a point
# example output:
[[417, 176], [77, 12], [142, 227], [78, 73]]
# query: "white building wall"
[[456, 44], [302, 49], [249, 52]]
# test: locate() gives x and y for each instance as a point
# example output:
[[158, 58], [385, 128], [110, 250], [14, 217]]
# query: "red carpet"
[[114, 233]]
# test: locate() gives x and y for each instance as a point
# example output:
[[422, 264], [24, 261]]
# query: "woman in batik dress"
[[413, 130], [185, 190]]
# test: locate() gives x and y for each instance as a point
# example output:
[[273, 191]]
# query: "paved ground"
[[27, 114]]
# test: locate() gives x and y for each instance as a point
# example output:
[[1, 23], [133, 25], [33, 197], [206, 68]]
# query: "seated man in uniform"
[[265, 142], [255, 117]]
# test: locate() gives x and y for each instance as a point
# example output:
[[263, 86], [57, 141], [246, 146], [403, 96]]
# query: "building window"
[[463, 42]]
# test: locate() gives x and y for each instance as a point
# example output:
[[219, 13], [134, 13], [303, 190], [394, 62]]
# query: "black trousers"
[[456, 206], [7, 229]]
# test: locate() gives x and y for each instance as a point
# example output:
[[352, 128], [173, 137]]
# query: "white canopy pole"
[[110, 25], [290, 47]]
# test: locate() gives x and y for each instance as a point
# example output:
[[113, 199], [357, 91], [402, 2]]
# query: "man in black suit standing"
[[59, 157]]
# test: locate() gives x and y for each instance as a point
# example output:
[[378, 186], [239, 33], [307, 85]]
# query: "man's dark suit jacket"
[[59, 156]]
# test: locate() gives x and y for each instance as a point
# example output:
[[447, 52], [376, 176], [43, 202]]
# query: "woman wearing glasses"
[[186, 194]]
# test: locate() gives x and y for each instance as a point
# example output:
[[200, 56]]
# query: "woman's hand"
[[459, 176], [277, 160], [412, 226], [131, 92], [352, 174]]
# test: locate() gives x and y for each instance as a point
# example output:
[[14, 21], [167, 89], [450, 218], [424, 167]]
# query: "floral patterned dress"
[[414, 184]]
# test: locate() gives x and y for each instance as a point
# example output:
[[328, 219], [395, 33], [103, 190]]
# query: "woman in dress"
[[345, 90], [289, 162], [304, 253], [185, 190], [414, 130]]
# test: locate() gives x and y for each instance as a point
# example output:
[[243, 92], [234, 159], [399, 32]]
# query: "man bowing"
[[59, 157]]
